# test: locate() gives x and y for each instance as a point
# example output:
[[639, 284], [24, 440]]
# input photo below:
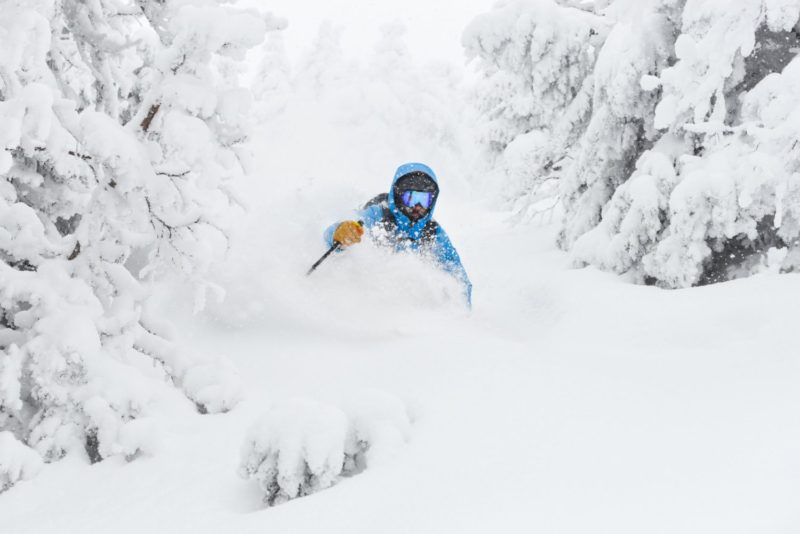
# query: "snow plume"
[[118, 144], [684, 170], [358, 119], [301, 447]]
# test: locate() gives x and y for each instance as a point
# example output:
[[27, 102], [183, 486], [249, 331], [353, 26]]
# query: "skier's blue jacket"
[[410, 235]]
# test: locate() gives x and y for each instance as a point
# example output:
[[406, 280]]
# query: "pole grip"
[[336, 246]]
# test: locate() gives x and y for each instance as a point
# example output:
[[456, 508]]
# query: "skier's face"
[[417, 212]]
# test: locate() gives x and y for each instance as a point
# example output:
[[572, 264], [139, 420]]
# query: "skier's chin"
[[415, 215]]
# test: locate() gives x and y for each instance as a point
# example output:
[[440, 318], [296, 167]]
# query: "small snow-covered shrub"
[[17, 461], [295, 450], [303, 447]]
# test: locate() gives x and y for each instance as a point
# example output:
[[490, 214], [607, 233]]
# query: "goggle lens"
[[412, 198]]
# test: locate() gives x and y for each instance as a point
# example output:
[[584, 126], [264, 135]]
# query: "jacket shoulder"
[[381, 198]]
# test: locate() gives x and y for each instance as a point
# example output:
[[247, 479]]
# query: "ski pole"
[[335, 247]]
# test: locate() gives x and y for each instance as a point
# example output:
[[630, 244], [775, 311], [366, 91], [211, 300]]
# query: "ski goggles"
[[412, 198]]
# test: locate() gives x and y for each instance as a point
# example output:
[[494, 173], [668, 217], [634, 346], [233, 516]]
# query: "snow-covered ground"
[[539, 411], [566, 401]]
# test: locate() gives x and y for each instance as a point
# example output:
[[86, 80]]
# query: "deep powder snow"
[[565, 401]]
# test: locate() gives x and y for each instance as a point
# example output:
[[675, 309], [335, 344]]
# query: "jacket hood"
[[414, 230]]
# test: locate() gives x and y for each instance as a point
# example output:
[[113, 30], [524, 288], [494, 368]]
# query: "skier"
[[403, 219]]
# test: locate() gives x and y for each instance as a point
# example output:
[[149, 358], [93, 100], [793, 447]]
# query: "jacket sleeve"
[[369, 216], [448, 257]]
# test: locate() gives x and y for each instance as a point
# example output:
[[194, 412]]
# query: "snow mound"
[[17, 462], [379, 426], [214, 386], [395, 286]]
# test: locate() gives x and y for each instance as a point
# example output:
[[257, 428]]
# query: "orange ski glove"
[[348, 233]]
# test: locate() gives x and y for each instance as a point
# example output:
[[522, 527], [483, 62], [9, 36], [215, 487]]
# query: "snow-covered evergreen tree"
[[273, 77], [738, 194], [686, 169], [535, 95], [118, 147]]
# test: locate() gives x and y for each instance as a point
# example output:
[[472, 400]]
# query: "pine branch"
[[173, 175], [75, 251], [150, 115], [180, 64], [18, 151]]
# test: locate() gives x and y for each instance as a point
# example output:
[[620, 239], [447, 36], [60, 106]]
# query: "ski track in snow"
[[566, 401]]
